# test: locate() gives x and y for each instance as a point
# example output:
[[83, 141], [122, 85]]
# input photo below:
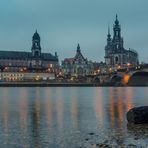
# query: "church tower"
[[115, 53], [108, 47], [117, 30], [109, 39], [36, 47], [117, 39]]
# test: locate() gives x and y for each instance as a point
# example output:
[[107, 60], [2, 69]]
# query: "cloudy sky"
[[62, 24]]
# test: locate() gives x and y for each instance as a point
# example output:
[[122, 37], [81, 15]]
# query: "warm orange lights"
[[119, 67], [128, 64], [37, 78], [98, 70], [110, 69], [50, 65], [126, 78]]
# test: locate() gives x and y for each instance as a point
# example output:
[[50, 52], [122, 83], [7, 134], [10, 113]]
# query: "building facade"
[[115, 53], [29, 61], [78, 65]]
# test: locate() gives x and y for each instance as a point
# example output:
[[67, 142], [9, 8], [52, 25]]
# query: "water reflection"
[[23, 109], [120, 101], [5, 111], [74, 109], [98, 105], [48, 107], [48, 116], [35, 119]]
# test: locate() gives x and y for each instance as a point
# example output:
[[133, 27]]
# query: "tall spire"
[[116, 17], [108, 30], [116, 21], [78, 48], [109, 35]]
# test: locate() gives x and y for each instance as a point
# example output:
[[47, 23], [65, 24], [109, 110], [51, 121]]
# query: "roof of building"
[[25, 55], [36, 36], [69, 59], [78, 56]]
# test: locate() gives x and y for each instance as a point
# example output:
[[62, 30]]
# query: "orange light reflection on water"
[[98, 105], [59, 108], [48, 107], [129, 98], [23, 109], [120, 101], [111, 107]]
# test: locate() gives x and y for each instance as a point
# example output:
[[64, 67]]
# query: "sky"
[[62, 24]]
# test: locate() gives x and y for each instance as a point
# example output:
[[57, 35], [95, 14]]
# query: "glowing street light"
[[119, 67], [37, 77], [50, 65], [128, 64], [98, 71]]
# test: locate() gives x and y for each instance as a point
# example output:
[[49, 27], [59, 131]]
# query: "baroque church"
[[30, 61], [78, 65], [115, 53]]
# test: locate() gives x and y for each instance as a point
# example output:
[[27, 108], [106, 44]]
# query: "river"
[[70, 117]]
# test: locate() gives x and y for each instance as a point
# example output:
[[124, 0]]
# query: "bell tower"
[[36, 47], [117, 29], [117, 39]]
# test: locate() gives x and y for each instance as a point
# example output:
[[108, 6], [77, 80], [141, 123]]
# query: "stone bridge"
[[125, 76]]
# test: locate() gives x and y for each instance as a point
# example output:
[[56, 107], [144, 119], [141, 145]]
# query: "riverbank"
[[61, 84], [46, 84]]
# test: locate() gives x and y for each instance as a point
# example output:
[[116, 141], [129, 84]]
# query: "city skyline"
[[62, 25]]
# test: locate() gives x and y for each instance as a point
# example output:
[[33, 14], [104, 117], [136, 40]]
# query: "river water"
[[70, 117]]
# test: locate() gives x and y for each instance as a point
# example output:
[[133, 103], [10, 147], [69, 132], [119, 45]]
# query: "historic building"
[[115, 53], [29, 61], [78, 65]]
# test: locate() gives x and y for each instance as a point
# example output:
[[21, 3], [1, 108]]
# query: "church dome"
[[36, 36]]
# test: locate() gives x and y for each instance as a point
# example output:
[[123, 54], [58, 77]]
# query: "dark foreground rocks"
[[138, 115]]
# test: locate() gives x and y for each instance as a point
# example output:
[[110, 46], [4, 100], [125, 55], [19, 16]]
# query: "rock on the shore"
[[138, 115]]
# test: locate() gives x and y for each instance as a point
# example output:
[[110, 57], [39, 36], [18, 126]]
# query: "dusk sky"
[[62, 24]]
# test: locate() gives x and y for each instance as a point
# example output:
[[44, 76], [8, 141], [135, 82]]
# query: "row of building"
[[116, 56]]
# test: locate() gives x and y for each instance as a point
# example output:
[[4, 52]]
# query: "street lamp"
[[128, 64], [119, 67], [98, 71]]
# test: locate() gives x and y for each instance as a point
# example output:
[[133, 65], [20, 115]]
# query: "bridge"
[[122, 75], [126, 74]]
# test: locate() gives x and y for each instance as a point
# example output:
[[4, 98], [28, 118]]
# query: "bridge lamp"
[[128, 64], [110, 69], [119, 67], [98, 70]]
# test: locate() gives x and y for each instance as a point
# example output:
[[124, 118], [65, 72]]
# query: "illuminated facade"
[[78, 65], [115, 53], [25, 76], [29, 61]]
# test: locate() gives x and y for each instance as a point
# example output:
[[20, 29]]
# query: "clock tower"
[[36, 47]]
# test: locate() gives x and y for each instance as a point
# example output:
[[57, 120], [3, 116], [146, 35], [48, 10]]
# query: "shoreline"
[[55, 84], [45, 84]]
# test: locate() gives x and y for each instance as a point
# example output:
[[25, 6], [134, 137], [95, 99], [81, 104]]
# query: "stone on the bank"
[[138, 115]]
